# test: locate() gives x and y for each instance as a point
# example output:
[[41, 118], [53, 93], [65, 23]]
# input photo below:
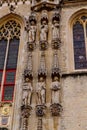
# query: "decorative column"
[[55, 87], [27, 93], [41, 91]]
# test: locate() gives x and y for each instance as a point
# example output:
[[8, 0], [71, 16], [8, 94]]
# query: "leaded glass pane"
[[12, 54], [79, 46], [0, 77], [8, 93], [3, 45], [10, 77]]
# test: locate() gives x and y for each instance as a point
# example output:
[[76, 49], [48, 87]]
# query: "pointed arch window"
[[9, 46], [80, 43]]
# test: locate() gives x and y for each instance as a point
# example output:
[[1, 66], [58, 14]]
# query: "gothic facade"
[[43, 64]]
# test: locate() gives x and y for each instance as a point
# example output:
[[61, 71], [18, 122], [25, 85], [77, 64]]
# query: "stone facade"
[[44, 59]]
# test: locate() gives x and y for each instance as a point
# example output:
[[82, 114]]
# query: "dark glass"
[[12, 54], [3, 45], [10, 77], [8, 93], [79, 46], [0, 77]]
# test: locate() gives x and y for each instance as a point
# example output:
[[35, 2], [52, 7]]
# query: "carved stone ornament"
[[43, 45], [55, 66], [44, 4], [25, 111], [11, 1], [28, 74], [42, 71], [40, 110], [44, 30], [39, 125], [31, 31], [56, 43], [56, 30], [56, 109], [5, 108], [11, 8]]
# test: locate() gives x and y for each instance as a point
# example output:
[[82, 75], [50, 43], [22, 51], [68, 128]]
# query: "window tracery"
[[11, 28]]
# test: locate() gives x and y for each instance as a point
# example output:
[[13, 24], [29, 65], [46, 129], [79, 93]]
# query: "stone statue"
[[44, 31], [41, 92], [32, 32], [27, 93], [55, 30], [55, 87]]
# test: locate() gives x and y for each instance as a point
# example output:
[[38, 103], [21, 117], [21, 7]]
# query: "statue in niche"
[[41, 91], [32, 32], [44, 31], [55, 30], [55, 87], [27, 93]]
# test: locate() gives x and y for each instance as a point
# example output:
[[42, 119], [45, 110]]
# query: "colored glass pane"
[[79, 46]]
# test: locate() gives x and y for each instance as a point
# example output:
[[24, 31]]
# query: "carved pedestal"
[[31, 46], [43, 45], [40, 110], [56, 43], [25, 111], [56, 109]]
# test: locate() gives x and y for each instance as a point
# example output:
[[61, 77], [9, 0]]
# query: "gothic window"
[[80, 43], [9, 46]]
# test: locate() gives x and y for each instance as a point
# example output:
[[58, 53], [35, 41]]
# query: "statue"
[[55, 87], [44, 31], [41, 92], [55, 30], [32, 32], [27, 93]]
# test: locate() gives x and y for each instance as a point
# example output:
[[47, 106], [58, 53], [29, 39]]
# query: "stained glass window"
[[9, 46], [79, 46]]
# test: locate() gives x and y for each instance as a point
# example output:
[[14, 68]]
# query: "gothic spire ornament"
[[55, 66], [42, 72], [28, 74]]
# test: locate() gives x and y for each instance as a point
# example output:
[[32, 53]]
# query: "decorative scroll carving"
[[44, 30], [55, 30], [56, 109]]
